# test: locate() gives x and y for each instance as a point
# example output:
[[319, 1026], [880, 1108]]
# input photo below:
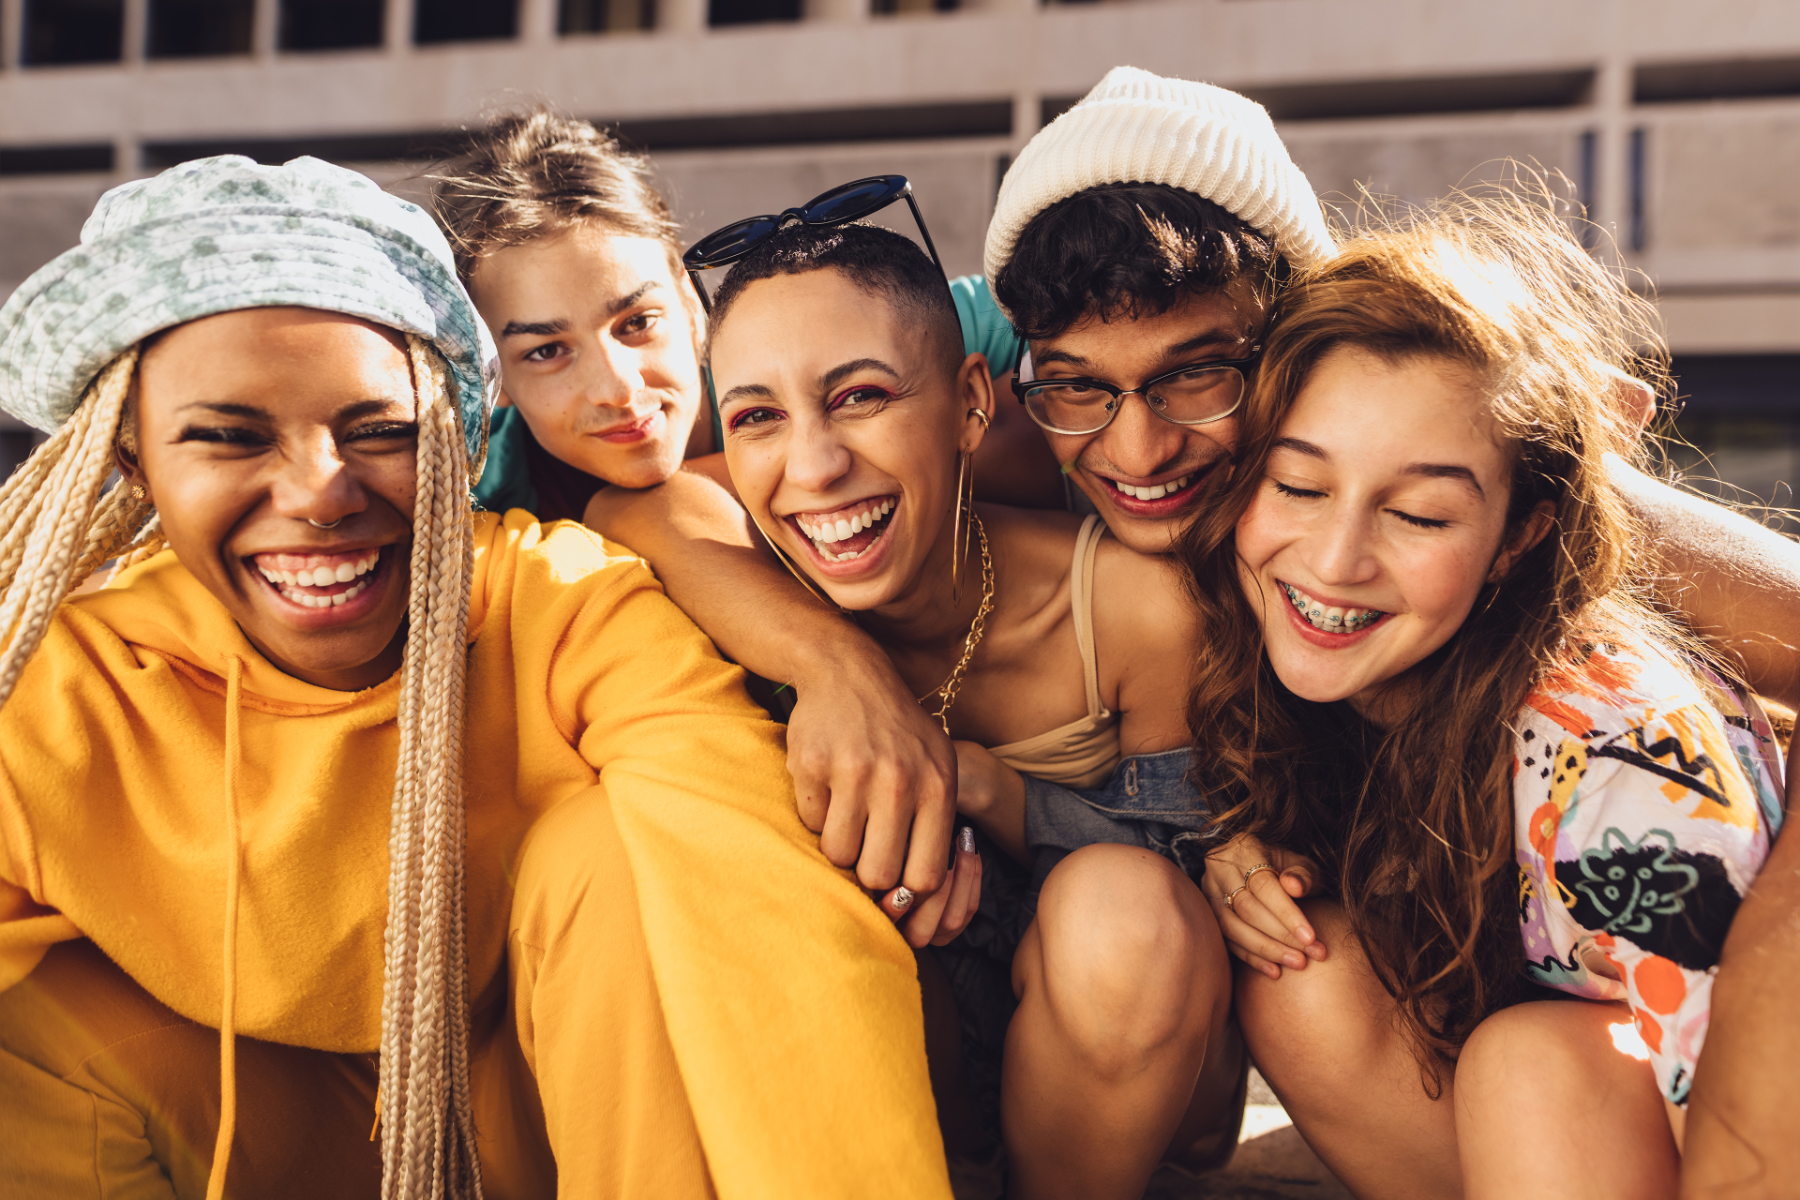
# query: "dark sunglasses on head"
[[841, 205]]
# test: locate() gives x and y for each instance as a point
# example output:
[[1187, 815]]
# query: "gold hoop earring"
[[965, 501], [959, 529]]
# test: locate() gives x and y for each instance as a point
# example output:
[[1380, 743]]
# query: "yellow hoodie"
[[780, 980]]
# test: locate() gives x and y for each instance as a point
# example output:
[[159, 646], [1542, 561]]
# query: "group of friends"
[[994, 661]]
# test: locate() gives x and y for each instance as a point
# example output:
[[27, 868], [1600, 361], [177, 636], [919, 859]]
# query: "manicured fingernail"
[[1294, 961], [901, 899], [1316, 951], [1306, 932], [965, 838]]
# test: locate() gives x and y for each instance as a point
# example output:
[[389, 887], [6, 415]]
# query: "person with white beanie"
[[1144, 230], [1147, 233]]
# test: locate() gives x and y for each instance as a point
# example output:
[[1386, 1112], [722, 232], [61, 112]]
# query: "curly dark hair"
[[880, 262], [1128, 250]]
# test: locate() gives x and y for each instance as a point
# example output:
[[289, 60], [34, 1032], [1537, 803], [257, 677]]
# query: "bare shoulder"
[[1032, 547], [1141, 601]]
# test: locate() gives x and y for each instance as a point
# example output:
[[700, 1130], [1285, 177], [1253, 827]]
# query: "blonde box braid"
[[427, 1126], [56, 529]]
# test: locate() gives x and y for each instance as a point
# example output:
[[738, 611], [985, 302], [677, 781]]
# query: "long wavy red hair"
[[1411, 825]]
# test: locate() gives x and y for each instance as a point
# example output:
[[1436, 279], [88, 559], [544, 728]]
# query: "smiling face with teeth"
[[1143, 473], [1381, 515], [251, 425], [843, 442]]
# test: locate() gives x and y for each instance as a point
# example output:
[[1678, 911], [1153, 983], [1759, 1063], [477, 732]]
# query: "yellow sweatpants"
[[106, 1093]]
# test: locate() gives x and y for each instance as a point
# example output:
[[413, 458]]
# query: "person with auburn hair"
[[271, 923], [1435, 695], [1149, 228]]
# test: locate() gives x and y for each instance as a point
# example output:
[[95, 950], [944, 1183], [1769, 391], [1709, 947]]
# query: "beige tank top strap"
[[1081, 602]]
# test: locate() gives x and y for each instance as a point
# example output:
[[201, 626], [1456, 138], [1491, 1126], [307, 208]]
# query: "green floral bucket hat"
[[220, 234]]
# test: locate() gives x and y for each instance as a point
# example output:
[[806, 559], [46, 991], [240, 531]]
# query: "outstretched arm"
[[873, 775], [791, 1005], [1738, 583], [1743, 1125]]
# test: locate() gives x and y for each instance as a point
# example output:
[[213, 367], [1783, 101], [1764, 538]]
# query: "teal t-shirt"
[[506, 478], [984, 327]]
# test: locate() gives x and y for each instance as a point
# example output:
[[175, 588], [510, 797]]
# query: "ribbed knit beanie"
[[1135, 127]]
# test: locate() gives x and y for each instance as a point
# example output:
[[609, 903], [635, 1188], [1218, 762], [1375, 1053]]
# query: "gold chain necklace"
[[947, 693]]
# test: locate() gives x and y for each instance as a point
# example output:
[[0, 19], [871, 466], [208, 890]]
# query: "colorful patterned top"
[[1643, 812]]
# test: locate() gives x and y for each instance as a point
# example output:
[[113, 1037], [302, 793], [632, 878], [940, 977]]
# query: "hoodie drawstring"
[[215, 1182]]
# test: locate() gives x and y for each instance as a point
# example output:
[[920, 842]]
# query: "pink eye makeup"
[[863, 394], [751, 417]]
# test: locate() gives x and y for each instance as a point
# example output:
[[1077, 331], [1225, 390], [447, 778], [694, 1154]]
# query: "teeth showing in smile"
[[1155, 491], [826, 531], [289, 581], [1330, 620]]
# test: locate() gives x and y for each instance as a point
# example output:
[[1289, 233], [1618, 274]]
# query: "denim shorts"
[[1147, 802]]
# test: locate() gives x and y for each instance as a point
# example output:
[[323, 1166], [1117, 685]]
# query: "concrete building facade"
[[1678, 125]]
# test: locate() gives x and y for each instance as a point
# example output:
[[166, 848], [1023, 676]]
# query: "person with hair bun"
[[573, 258], [274, 920], [1522, 806]]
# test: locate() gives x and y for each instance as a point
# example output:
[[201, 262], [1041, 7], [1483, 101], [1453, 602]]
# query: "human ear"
[[125, 446], [129, 468], [1529, 533], [975, 395]]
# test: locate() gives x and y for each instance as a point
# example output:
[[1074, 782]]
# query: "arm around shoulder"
[[1737, 581], [780, 980]]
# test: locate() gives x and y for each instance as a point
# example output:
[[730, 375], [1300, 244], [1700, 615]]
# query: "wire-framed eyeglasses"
[[841, 205], [1196, 394]]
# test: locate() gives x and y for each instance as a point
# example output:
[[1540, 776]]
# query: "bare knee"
[[1555, 1044], [1331, 1021], [1127, 956]]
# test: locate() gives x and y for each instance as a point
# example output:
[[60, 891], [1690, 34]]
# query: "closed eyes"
[[1418, 522]]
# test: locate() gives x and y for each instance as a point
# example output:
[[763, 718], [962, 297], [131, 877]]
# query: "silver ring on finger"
[[1254, 870], [1233, 893]]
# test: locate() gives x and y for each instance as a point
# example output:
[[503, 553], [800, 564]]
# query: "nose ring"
[[323, 524]]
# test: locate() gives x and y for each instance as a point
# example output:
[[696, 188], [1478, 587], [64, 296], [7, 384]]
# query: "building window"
[[73, 31], [605, 16], [330, 24], [199, 28], [464, 20], [751, 12]]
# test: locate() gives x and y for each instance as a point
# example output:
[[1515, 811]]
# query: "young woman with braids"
[[1433, 692], [269, 924]]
